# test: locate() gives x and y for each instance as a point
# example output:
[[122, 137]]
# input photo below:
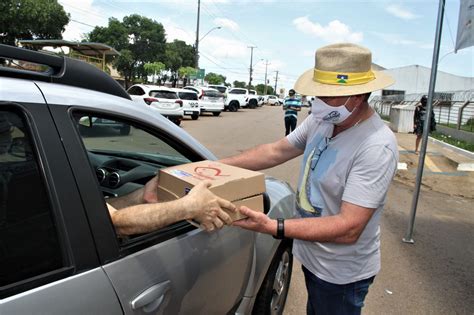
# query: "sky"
[[287, 33]]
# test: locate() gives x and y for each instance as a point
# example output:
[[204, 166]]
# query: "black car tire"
[[233, 106], [253, 103], [216, 113], [194, 116], [271, 297]]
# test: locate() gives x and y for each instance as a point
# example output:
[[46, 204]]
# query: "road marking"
[[430, 164]]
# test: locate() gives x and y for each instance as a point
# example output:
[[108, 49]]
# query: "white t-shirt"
[[355, 166]]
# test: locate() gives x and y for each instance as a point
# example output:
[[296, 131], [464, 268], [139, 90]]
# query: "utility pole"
[[276, 81], [265, 89], [251, 66], [197, 36]]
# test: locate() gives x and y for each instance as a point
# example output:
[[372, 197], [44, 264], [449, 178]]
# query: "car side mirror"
[[266, 203], [85, 121], [20, 147]]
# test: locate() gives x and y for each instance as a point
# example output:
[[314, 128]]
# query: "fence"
[[454, 110]]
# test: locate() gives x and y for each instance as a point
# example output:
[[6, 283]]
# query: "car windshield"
[[164, 94], [190, 96]]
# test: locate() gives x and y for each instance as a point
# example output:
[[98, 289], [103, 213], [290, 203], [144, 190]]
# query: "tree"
[[154, 68], [31, 19], [214, 78], [138, 39], [260, 88], [178, 54], [240, 84], [185, 73]]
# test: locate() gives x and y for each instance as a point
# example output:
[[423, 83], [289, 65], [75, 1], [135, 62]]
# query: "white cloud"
[[221, 47], [402, 13], [83, 17], [227, 23], [335, 31], [395, 39]]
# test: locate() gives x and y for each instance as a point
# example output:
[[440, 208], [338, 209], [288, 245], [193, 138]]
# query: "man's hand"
[[206, 208], [256, 221], [150, 191]]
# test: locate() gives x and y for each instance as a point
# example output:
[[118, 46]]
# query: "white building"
[[415, 79]]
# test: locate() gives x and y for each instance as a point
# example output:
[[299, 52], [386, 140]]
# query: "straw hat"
[[341, 70]]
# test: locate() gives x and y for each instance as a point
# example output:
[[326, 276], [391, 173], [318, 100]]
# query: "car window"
[[164, 94], [123, 155], [253, 92], [29, 240], [187, 96], [212, 93], [237, 91], [221, 89], [136, 90]]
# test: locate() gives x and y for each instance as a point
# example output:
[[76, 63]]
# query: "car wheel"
[[124, 131], [233, 106], [194, 116], [271, 298], [252, 104], [216, 113]]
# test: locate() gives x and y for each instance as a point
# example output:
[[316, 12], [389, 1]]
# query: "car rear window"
[[212, 93], [164, 94], [235, 91], [188, 96], [221, 89]]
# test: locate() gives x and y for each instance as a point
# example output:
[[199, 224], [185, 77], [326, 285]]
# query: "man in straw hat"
[[349, 159]]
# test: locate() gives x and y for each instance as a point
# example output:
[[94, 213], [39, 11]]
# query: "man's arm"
[[146, 194], [343, 228], [200, 205], [264, 156]]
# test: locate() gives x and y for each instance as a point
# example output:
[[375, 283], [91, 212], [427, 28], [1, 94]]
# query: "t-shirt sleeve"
[[370, 176], [298, 136]]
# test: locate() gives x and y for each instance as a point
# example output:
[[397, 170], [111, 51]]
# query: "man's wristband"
[[280, 234]]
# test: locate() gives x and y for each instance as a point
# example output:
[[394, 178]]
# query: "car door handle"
[[151, 298]]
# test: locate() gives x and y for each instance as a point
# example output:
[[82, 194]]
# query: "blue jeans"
[[335, 299]]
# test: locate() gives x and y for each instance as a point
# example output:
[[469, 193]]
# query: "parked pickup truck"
[[239, 97]]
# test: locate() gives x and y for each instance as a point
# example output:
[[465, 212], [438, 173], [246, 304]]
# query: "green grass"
[[466, 127], [448, 139]]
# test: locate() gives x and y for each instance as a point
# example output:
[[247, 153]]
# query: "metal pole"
[[276, 81], [197, 36], [265, 89], [251, 61], [419, 174]]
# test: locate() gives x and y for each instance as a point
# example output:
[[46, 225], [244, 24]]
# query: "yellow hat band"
[[339, 78]]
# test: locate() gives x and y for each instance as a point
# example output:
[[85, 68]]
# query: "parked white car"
[[273, 100], [240, 97], [221, 88], [210, 100], [190, 102], [164, 100]]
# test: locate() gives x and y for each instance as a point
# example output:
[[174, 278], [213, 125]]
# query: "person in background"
[[291, 107], [349, 159], [419, 119]]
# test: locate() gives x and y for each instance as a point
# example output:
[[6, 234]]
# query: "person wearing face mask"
[[349, 159]]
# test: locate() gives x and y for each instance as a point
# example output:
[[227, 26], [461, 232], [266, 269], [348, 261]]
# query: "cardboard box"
[[240, 186]]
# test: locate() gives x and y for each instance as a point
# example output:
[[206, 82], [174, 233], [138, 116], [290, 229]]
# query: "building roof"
[[84, 48]]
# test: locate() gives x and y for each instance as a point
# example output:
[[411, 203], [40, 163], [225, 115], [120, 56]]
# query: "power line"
[[72, 20]]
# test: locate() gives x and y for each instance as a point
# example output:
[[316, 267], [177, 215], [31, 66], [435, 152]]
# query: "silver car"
[[59, 253]]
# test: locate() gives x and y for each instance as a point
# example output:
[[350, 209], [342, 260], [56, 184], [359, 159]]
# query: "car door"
[[178, 269], [48, 261]]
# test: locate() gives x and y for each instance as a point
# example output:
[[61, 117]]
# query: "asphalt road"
[[432, 276]]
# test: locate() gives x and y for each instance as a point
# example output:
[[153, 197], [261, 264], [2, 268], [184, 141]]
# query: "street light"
[[198, 40]]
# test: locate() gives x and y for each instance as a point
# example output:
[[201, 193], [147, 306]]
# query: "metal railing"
[[458, 114]]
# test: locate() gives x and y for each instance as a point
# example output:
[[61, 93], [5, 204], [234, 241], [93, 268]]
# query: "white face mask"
[[331, 114]]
